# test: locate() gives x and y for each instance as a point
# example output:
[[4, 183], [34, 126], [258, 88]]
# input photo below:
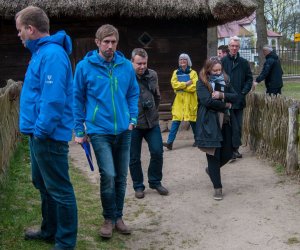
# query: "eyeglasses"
[[215, 59]]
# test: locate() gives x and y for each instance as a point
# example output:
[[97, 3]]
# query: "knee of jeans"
[[157, 154]]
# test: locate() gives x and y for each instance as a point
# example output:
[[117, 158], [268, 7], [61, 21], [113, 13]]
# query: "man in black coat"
[[239, 72], [147, 128], [271, 72]]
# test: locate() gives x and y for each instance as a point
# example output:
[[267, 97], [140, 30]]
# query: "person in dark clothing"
[[213, 136], [240, 75], [147, 128], [223, 51], [271, 72]]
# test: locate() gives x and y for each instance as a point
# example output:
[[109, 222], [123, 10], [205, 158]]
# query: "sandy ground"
[[260, 209]]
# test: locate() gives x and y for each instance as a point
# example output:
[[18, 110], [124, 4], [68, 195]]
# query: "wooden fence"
[[271, 128], [9, 121]]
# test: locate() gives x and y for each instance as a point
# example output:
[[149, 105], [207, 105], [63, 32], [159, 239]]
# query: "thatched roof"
[[215, 11]]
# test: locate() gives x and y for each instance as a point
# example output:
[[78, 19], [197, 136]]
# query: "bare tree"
[[261, 29]]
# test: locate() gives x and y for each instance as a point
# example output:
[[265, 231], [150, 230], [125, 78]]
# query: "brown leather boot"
[[121, 227], [106, 229]]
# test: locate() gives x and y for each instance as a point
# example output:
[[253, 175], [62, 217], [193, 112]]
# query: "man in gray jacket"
[[147, 128]]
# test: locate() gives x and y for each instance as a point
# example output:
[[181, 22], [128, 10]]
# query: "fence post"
[[292, 143]]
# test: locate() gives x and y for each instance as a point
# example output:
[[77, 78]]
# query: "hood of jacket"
[[60, 38], [273, 55], [94, 58]]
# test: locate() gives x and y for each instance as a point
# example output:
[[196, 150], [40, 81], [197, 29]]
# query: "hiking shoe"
[[237, 154], [139, 194], [106, 229], [34, 234], [161, 190], [121, 227], [168, 145], [218, 194]]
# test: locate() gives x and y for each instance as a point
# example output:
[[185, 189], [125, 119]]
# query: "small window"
[[145, 39]]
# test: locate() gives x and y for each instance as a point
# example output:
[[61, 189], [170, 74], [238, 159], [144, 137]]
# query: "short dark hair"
[[35, 17], [139, 52], [224, 48]]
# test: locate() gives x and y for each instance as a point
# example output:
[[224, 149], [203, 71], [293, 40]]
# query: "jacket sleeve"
[[54, 86], [157, 96], [248, 79], [194, 77], [132, 95], [176, 85], [231, 96], [205, 99], [266, 70], [79, 99]]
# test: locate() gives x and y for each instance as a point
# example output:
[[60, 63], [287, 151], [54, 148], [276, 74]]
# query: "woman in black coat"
[[213, 136]]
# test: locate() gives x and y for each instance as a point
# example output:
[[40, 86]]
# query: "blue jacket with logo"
[[105, 95], [46, 98]]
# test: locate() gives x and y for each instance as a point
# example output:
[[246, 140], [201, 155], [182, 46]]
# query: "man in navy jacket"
[[271, 72]]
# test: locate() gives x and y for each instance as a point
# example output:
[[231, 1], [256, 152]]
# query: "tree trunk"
[[212, 41], [261, 29]]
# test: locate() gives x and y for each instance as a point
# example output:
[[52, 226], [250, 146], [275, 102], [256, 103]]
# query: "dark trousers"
[[154, 140], [50, 175], [236, 119], [274, 91], [221, 157]]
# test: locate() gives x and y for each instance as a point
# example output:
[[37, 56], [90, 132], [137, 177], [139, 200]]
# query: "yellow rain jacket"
[[185, 104]]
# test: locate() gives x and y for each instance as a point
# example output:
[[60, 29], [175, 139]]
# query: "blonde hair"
[[107, 30]]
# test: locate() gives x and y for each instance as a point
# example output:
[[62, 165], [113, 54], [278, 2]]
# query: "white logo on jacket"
[[49, 79]]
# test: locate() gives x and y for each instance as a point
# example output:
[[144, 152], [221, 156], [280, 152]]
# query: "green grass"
[[20, 208], [290, 89]]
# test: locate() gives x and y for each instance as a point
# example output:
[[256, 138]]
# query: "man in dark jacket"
[[271, 72], [239, 72], [147, 127]]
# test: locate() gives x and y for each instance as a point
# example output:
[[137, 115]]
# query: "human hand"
[[217, 95], [254, 84], [228, 105], [188, 83], [80, 140]]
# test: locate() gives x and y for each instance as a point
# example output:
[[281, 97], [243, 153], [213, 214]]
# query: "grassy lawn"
[[290, 89], [20, 208]]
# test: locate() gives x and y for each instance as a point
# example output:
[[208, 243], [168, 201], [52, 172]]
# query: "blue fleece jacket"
[[46, 98], [105, 95]]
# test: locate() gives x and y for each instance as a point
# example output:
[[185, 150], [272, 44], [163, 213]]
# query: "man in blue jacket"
[[105, 109], [46, 116], [271, 72]]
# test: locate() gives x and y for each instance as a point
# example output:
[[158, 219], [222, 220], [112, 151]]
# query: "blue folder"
[[87, 149], [183, 77]]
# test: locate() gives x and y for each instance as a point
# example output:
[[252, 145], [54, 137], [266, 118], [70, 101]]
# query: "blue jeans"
[[174, 128], [112, 154], [154, 140], [49, 162]]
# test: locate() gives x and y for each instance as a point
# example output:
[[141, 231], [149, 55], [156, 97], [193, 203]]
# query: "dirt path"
[[260, 209]]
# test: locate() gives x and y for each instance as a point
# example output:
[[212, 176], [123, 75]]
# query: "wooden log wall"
[[266, 126]]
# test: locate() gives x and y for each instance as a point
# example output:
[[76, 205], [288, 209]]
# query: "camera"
[[147, 104]]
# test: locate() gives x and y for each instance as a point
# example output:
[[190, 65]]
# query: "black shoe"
[[168, 145], [237, 154], [31, 234], [161, 190], [139, 194]]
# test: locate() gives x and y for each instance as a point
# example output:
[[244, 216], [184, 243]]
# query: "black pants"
[[221, 157], [274, 91], [236, 119]]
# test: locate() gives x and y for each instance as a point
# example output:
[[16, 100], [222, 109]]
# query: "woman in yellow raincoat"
[[184, 108]]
